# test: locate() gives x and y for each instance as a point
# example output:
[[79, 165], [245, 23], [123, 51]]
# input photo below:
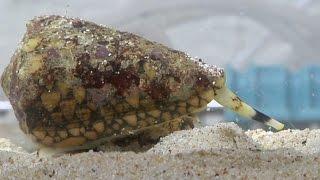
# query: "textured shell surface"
[[72, 81]]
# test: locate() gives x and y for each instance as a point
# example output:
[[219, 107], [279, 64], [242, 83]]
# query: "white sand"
[[223, 150]]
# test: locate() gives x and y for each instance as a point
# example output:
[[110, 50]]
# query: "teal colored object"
[[284, 95]]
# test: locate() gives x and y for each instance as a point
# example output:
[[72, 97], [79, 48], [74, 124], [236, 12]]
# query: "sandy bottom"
[[223, 150]]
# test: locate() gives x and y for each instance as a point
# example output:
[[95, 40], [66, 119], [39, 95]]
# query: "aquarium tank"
[[270, 56], [269, 51]]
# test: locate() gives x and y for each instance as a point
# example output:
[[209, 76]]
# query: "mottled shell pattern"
[[71, 82]]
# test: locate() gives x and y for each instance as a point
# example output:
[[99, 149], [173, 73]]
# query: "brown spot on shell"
[[36, 26], [116, 126], [98, 96], [52, 53], [202, 80], [51, 132], [36, 115], [121, 79], [103, 42], [158, 91], [102, 52], [156, 54], [57, 117], [84, 114], [91, 77], [77, 23]]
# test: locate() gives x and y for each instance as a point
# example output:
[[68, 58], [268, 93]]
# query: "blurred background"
[[270, 49]]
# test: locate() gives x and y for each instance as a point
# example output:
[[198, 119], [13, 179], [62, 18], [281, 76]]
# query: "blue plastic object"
[[284, 95]]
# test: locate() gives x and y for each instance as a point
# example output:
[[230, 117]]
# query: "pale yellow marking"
[[182, 104], [47, 140], [99, 127], [35, 63], [92, 106], [70, 142], [64, 88], [68, 108], [131, 119], [50, 100], [207, 95], [194, 101], [84, 114], [149, 70], [119, 107], [192, 109], [133, 100], [106, 112], [39, 134], [57, 43], [203, 103], [63, 134], [74, 131], [57, 117], [155, 113], [79, 94], [172, 107], [182, 110], [31, 44], [91, 135], [79, 143], [166, 116], [82, 130], [72, 125], [142, 115], [142, 124]]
